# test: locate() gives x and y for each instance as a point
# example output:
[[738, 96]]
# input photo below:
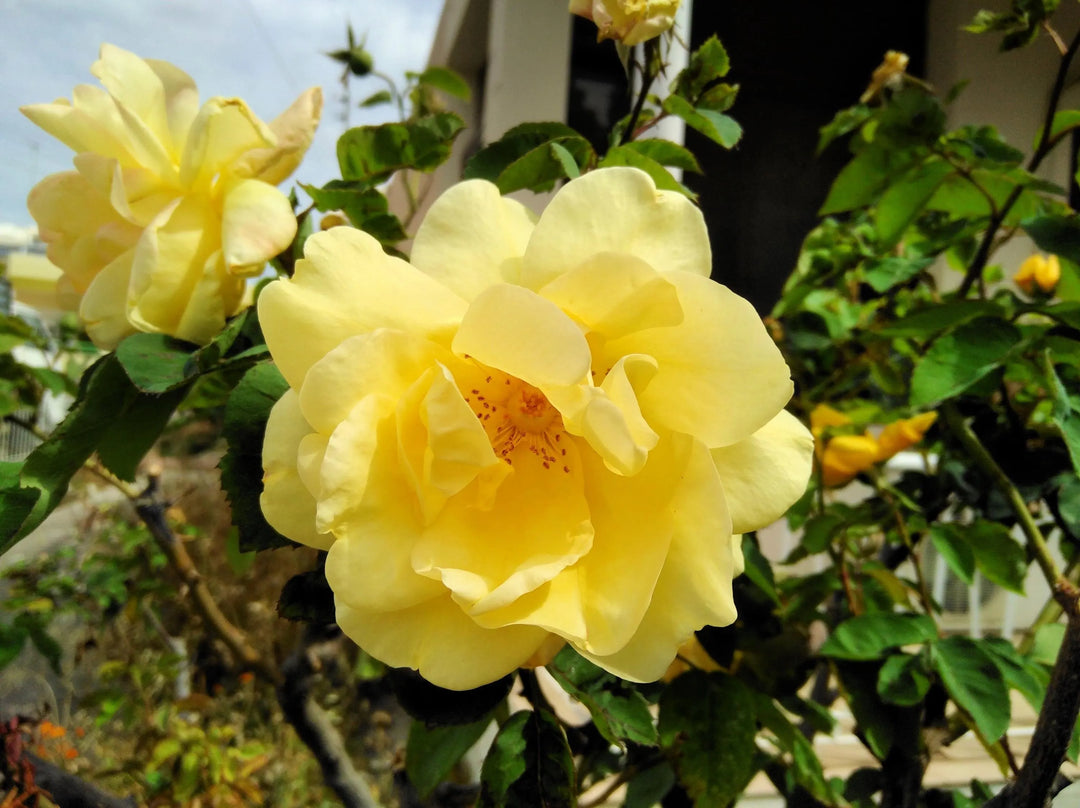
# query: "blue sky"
[[264, 51]]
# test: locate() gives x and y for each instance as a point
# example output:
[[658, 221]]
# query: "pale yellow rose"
[[629, 21], [172, 205], [535, 428]]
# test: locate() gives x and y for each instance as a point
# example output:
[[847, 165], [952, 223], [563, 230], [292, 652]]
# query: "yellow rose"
[[890, 73], [535, 428], [629, 21], [171, 206], [843, 457], [1038, 274]]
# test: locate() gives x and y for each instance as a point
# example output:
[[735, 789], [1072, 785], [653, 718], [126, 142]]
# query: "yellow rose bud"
[[890, 73], [631, 22], [1038, 273], [845, 456], [333, 220], [171, 204], [536, 431]]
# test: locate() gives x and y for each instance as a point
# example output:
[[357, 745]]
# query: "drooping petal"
[[257, 223], [286, 502], [181, 102], [441, 642], [133, 83], [346, 286], [176, 282], [720, 377], [694, 587], [613, 294], [617, 210], [844, 456], [294, 129], [537, 526], [384, 362], [104, 307], [522, 334], [903, 434], [766, 473], [473, 238], [224, 129]]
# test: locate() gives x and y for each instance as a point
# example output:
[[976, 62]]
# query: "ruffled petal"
[[257, 223], [294, 130], [617, 210], [694, 589], [522, 334], [346, 286], [441, 642], [286, 502], [224, 129], [720, 377], [766, 473], [181, 103], [104, 306], [537, 526], [133, 83], [613, 295], [473, 238]]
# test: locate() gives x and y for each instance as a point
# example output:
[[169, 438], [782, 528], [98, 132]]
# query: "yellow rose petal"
[[294, 129], [765, 472], [104, 305], [257, 223], [468, 253], [625, 214]]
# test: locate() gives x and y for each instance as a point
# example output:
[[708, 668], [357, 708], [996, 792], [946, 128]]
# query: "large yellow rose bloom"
[[630, 22], [535, 428], [171, 205]]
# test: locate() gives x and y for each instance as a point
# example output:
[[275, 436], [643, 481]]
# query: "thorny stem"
[[647, 78], [1045, 144]]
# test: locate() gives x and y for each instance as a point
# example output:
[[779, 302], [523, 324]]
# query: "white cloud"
[[264, 51]]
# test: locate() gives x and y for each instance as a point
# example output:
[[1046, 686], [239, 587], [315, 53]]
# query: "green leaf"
[[869, 636], [1000, 558], [524, 157], [957, 360], [708, 721], [46, 645], [381, 97], [861, 181], [647, 788], [442, 78], [884, 273], [371, 154], [365, 206], [129, 437], [806, 764], [1066, 412], [564, 156], [627, 155], [758, 569], [619, 711], [246, 412], [665, 153], [1056, 234], [1047, 644], [949, 541], [438, 706], [845, 121], [716, 126], [974, 682], [935, 318], [432, 752], [529, 765], [906, 198], [12, 638], [1021, 673], [707, 65], [1064, 121], [307, 597], [903, 680]]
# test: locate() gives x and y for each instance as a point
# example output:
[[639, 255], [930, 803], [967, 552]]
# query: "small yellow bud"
[[333, 220], [1038, 274], [890, 73]]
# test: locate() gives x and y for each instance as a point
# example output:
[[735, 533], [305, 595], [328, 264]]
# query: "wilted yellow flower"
[[842, 457], [890, 73], [1038, 272], [629, 21], [536, 428], [171, 205]]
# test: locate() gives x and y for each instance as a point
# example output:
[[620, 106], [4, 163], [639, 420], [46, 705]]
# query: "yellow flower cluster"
[[1038, 274], [536, 432], [630, 22], [171, 205], [842, 457]]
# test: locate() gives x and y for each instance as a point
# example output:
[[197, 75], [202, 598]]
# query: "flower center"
[[519, 420]]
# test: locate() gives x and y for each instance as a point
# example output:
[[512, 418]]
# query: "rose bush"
[[629, 21], [172, 205], [554, 427]]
